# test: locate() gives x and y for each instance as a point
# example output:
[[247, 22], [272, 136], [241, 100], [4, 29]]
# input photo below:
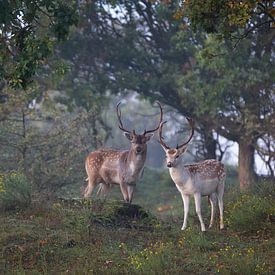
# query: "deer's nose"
[[138, 150], [169, 164]]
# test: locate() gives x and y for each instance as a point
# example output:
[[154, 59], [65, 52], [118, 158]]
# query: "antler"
[[160, 120], [160, 136], [120, 126], [191, 123]]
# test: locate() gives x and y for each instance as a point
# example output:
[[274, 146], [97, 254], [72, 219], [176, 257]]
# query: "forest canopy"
[[211, 60]]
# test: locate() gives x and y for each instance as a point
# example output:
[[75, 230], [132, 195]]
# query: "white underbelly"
[[205, 187], [208, 187]]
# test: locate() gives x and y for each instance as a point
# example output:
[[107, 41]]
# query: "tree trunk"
[[246, 164], [209, 143], [210, 147]]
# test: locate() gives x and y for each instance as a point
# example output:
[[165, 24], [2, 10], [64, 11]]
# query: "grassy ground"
[[107, 237]]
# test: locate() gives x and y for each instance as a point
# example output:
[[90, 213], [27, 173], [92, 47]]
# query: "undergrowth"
[[107, 236], [15, 191]]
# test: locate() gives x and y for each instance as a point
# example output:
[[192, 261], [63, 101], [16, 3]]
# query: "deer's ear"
[[182, 149], [128, 135], [148, 136]]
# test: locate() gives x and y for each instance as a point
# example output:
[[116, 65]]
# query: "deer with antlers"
[[204, 178], [109, 167]]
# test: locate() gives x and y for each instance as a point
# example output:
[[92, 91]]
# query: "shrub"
[[263, 188], [249, 212], [15, 191]]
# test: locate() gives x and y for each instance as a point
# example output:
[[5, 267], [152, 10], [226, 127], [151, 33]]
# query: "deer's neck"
[[180, 174], [135, 162]]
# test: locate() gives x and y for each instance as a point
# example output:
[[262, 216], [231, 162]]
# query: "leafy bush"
[[249, 212], [15, 191], [263, 188]]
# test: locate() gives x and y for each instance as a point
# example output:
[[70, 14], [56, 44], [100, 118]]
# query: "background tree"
[[47, 142], [140, 46], [229, 19], [28, 31], [238, 96], [143, 47]]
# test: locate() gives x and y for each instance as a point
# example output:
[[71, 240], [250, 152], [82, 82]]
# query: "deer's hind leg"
[[104, 188], [220, 192], [197, 198], [93, 180], [90, 187], [212, 200]]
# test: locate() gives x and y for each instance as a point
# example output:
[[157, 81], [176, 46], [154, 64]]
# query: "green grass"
[[108, 237]]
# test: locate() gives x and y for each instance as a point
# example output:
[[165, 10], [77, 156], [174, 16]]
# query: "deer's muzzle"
[[169, 164]]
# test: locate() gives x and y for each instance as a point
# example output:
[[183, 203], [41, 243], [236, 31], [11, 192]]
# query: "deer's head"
[[138, 142], [173, 155]]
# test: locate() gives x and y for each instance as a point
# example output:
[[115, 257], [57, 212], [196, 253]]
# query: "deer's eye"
[[177, 157]]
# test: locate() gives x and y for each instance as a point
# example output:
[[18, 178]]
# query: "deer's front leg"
[[185, 199], [197, 198], [124, 191], [130, 189]]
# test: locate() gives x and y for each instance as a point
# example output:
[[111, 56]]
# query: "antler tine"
[[120, 126], [192, 124], [160, 136], [160, 120]]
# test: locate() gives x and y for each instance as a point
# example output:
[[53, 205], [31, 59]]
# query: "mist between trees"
[[59, 105]]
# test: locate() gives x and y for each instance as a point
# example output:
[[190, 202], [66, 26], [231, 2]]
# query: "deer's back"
[[208, 169], [104, 165], [203, 177], [100, 157]]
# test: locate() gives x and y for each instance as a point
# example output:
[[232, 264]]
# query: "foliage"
[[15, 191], [59, 237], [219, 16], [219, 82], [250, 212], [238, 260], [195, 73], [29, 30], [226, 18], [196, 241], [47, 142], [264, 187], [151, 259]]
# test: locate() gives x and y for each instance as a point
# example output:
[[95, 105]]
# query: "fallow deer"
[[108, 167], [204, 178]]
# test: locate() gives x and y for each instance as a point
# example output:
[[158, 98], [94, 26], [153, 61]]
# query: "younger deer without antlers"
[[204, 178], [108, 167]]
